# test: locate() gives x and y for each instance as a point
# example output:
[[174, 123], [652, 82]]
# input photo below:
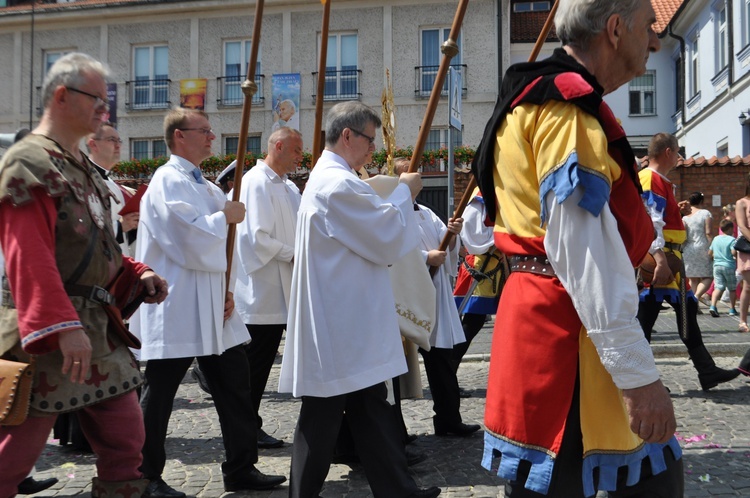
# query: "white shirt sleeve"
[[589, 258], [475, 235], [657, 217]]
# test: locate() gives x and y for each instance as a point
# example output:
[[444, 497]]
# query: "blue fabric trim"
[[666, 294], [652, 199], [541, 463], [566, 178], [608, 465], [479, 305]]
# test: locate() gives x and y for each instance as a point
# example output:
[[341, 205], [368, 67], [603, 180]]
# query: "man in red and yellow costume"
[[660, 202], [574, 400]]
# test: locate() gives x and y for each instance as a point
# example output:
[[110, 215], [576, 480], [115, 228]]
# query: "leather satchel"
[[15, 391]]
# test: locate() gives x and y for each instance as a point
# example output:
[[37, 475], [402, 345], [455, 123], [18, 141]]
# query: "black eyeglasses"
[[98, 101], [368, 137], [205, 131], [113, 140]]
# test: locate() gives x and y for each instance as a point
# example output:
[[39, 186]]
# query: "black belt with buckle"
[[91, 292], [539, 265], [673, 246]]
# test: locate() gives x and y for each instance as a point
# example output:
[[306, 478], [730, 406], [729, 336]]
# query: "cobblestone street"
[[714, 431]]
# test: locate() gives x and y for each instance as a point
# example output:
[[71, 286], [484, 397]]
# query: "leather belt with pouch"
[[16, 379]]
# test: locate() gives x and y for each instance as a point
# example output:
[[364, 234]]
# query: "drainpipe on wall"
[[680, 76], [730, 44], [499, 44]]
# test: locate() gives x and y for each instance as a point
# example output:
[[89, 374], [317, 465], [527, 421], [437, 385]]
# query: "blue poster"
[[285, 94]]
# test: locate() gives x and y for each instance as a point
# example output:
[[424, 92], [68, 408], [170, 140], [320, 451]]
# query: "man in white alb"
[[183, 232]]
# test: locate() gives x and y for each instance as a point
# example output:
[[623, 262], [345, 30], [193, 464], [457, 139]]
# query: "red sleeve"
[[27, 237]]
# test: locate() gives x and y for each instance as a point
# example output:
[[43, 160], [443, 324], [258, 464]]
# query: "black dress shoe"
[[30, 486], [459, 429], [462, 393], [201, 379], [410, 438], [426, 493], [254, 479], [157, 488], [266, 441]]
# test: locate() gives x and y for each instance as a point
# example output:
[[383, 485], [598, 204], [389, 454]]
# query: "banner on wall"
[[193, 93], [112, 98], [285, 89]]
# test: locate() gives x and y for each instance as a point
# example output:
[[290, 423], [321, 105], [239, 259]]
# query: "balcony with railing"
[[424, 80], [339, 85], [230, 90], [146, 94]]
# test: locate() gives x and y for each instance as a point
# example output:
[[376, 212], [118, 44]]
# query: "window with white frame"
[[722, 37], [531, 6], [431, 40], [722, 148], [147, 148], [50, 57], [642, 91], [746, 23], [438, 138], [231, 144], [151, 77], [342, 71], [694, 69], [236, 57], [678, 83]]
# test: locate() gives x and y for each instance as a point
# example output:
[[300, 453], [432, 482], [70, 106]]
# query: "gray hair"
[[290, 102], [577, 22], [70, 70], [353, 115]]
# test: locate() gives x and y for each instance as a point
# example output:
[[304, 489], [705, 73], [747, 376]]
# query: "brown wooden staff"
[[249, 89], [449, 49], [473, 181], [317, 131]]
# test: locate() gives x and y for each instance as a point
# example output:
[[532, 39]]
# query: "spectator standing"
[[725, 267], [742, 211], [698, 232]]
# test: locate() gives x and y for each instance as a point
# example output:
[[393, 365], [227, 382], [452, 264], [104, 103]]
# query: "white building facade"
[[153, 47]]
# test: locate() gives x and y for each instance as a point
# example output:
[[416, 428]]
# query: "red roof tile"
[[665, 10], [702, 162]]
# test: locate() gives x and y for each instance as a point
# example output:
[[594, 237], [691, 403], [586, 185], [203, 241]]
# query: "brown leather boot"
[[118, 489]]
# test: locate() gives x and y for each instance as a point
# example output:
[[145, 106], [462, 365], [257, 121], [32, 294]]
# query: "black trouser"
[[472, 323], [229, 382], [261, 353], [376, 436], [648, 312], [441, 375], [567, 481]]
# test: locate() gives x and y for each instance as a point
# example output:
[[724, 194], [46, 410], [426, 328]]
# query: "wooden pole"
[[249, 89], [319, 94], [473, 181], [449, 49]]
